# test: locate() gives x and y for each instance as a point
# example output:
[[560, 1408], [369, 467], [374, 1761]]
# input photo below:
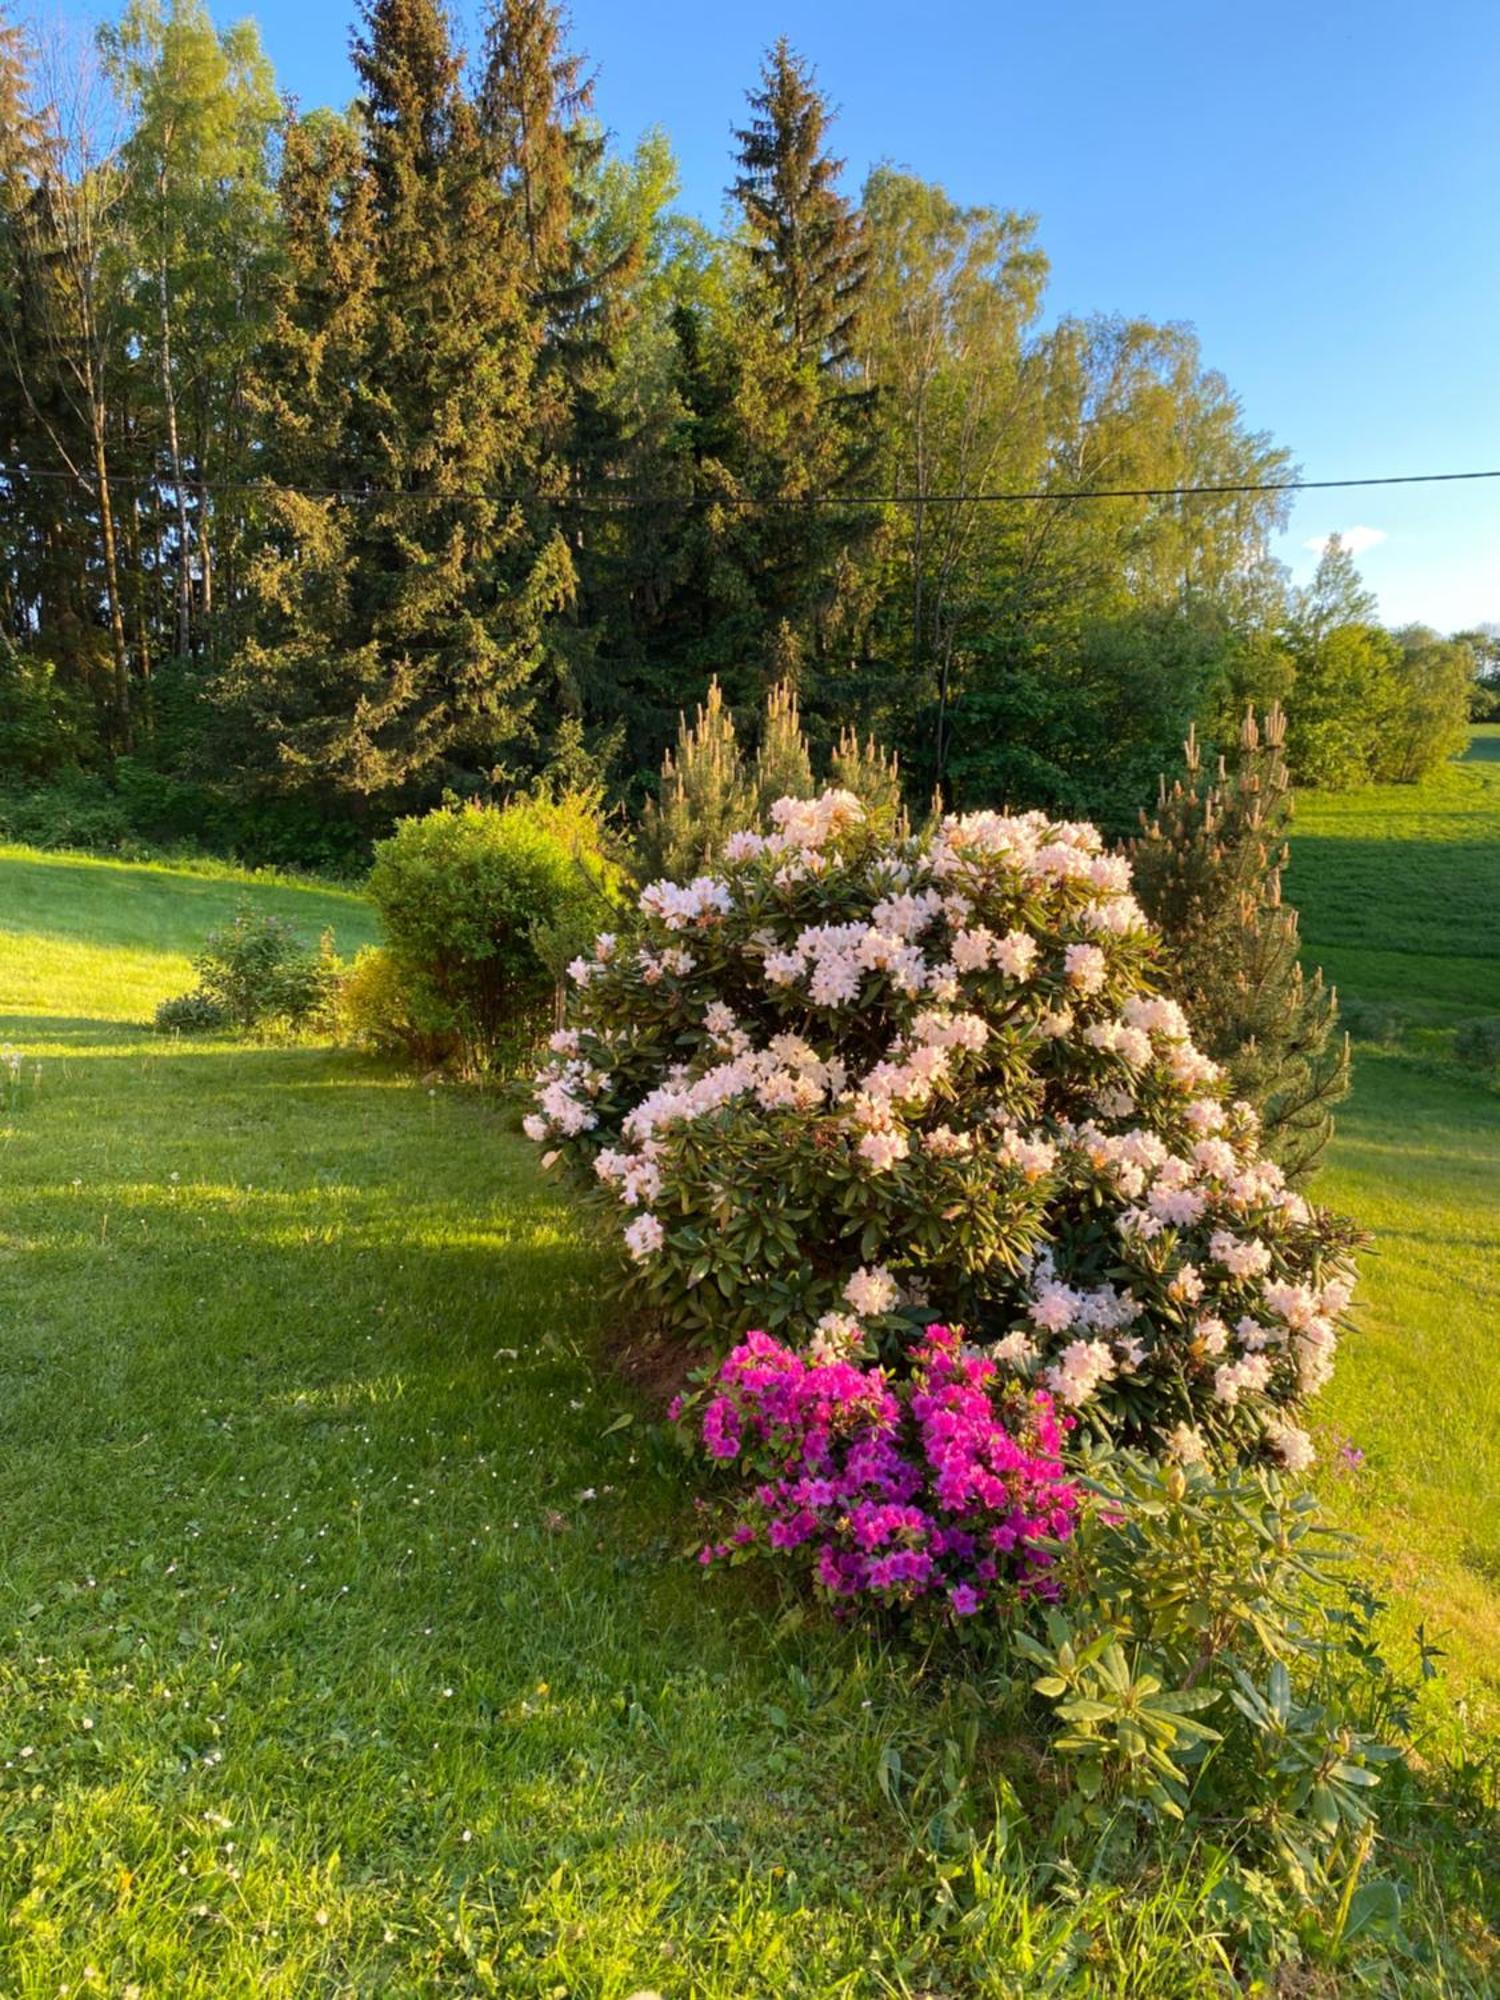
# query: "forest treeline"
[[353, 458]]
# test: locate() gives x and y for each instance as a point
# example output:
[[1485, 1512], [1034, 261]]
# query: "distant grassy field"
[[1399, 889], [118, 935]]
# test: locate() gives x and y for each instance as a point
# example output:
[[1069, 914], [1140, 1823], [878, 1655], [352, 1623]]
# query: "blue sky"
[[1316, 189]]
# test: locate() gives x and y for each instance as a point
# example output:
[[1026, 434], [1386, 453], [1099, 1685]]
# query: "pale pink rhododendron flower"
[[846, 1070]]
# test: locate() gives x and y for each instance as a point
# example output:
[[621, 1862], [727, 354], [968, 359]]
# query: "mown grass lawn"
[[347, 1640], [1399, 889]]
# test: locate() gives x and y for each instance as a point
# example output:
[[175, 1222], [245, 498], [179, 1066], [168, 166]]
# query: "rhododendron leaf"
[[1084, 1710]]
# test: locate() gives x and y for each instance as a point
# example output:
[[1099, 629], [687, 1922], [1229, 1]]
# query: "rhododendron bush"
[[935, 1489], [855, 1083]]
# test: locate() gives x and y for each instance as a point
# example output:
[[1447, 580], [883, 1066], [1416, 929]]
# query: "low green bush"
[[374, 1009], [136, 811], [256, 972], [1207, 1663], [1372, 1021], [482, 907], [196, 1013], [45, 725], [1478, 1042]]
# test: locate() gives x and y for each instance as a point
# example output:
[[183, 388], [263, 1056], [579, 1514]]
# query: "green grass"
[[347, 1640], [118, 936], [1399, 889]]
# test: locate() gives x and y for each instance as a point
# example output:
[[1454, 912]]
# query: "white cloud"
[[1356, 540]]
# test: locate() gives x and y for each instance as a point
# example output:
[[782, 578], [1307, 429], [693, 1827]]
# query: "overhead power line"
[[608, 500]]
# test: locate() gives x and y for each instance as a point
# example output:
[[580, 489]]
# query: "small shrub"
[[76, 809], [45, 725], [256, 971], [934, 1490], [709, 787], [1478, 1042], [861, 1082], [373, 1009], [1199, 1663], [191, 1014], [1372, 1021], [482, 906], [1208, 869]]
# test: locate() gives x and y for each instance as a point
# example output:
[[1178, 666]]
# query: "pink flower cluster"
[[934, 1489]]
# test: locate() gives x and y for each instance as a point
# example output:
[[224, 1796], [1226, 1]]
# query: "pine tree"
[[707, 790], [1208, 871], [783, 768], [870, 771], [704, 795]]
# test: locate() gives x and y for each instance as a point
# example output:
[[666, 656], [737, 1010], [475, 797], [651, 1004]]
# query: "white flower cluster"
[[1237, 1328]]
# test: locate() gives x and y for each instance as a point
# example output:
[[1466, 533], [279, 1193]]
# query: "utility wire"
[[610, 501]]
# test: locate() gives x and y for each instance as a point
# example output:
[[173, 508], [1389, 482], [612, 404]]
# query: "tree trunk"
[[184, 538], [111, 579]]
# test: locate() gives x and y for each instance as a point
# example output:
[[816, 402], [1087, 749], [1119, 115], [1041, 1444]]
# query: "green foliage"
[[1478, 1042], [707, 790], [481, 907], [257, 972], [1345, 685], [134, 808], [1198, 1663], [197, 1013], [375, 1008], [1208, 871], [46, 726], [1429, 717]]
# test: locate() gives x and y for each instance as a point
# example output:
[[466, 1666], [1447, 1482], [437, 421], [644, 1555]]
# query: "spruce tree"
[[805, 239], [1208, 871], [406, 662], [802, 415], [546, 154]]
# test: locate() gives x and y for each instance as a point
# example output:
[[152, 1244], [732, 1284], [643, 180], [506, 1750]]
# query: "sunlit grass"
[[1399, 887], [349, 1643]]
